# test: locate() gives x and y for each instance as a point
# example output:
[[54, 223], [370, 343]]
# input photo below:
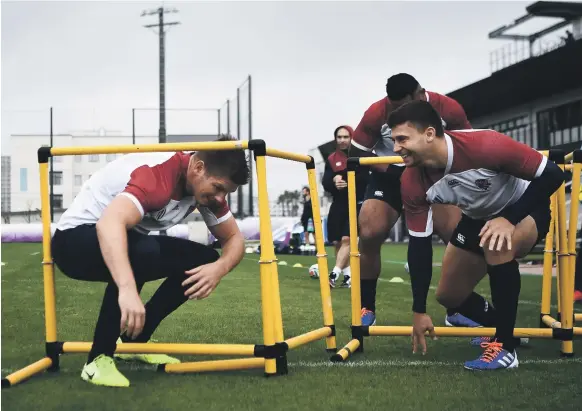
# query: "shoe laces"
[[491, 350]]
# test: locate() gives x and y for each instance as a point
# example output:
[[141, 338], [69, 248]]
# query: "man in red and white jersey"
[[383, 205], [503, 188], [103, 236]]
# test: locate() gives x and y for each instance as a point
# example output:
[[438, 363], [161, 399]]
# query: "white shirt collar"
[[450, 153]]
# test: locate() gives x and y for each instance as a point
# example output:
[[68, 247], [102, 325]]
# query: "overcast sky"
[[314, 65]]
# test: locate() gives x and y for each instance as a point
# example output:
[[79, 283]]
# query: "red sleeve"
[[451, 112], [152, 187], [417, 211], [367, 134], [501, 153]]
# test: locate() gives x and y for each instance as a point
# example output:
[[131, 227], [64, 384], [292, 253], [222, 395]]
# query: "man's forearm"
[[112, 237], [420, 267], [232, 252]]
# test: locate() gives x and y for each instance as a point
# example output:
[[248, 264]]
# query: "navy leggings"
[[77, 253]]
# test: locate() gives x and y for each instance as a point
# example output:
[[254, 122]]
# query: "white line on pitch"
[[404, 363]]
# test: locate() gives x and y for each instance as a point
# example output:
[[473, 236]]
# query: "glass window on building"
[[23, 179], [57, 178], [556, 125], [57, 200]]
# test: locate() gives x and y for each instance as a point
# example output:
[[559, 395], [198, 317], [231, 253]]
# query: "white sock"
[[337, 271], [347, 272]]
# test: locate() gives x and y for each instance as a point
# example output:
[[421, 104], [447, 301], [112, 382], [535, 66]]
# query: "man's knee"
[[449, 299], [375, 222], [345, 241]]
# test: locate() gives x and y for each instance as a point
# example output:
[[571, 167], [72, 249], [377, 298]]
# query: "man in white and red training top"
[[503, 188], [382, 202], [103, 236]]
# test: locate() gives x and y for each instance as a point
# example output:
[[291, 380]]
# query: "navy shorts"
[[385, 186], [466, 235], [338, 221]]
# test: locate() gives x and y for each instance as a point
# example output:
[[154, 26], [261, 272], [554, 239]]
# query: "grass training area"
[[386, 376]]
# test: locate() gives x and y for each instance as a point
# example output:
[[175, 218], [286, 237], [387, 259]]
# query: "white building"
[[70, 172]]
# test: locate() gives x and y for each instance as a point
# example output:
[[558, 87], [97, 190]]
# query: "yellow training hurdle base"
[[563, 331], [272, 354], [552, 246]]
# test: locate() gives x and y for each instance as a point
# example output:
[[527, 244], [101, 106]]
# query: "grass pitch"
[[386, 376]]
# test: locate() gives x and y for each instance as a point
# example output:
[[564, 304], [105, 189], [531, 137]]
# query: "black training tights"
[[77, 253]]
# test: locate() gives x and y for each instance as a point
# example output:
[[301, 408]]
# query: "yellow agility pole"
[[328, 330], [573, 226], [216, 365], [150, 148], [167, 348], [548, 263], [269, 355], [267, 259], [560, 331], [566, 288], [321, 259], [357, 342], [285, 155]]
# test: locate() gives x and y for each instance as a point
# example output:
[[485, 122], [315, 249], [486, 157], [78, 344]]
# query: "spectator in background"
[[307, 215], [335, 182]]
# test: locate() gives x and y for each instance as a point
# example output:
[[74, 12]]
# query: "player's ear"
[[199, 167], [430, 134]]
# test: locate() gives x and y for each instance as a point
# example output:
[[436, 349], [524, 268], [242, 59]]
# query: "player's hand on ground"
[[204, 278], [132, 311], [339, 182], [499, 230], [421, 324]]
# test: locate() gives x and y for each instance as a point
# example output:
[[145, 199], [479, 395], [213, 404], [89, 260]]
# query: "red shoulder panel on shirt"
[[154, 186], [450, 111], [367, 133], [494, 151]]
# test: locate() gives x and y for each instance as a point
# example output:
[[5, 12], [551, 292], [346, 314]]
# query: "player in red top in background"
[[335, 182], [383, 205], [103, 237], [503, 188]]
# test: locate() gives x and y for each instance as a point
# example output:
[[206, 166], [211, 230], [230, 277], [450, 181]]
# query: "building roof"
[[524, 82]]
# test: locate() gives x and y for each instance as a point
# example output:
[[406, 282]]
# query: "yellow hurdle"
[[563, 331], [272, 354]]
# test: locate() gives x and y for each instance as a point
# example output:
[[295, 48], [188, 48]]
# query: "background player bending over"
[[503, 188], [103, 237], [382, 202], [335, 182]]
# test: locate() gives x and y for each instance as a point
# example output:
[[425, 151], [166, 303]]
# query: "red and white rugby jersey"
[[373, 132], [153, 181], [486, 171]]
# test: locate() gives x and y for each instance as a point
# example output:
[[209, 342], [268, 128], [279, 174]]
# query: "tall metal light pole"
[[161, 32]]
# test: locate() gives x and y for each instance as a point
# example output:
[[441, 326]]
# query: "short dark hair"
[[401, 85], [420, 114], [232, 164]]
